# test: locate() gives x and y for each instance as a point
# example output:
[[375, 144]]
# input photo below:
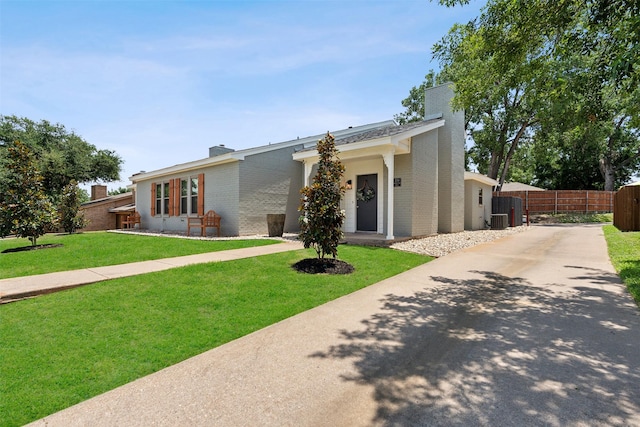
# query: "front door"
[[367, 202]]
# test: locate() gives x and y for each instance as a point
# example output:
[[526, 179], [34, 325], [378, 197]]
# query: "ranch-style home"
[[402, 180]]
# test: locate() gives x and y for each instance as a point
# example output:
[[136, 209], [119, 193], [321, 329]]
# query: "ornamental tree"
[[25, 210], [71, 219], [321, 218]]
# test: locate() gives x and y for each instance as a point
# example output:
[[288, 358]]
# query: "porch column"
[[389, 161], [308, 165]]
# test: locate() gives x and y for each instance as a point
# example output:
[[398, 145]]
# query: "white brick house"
[[413, 177]]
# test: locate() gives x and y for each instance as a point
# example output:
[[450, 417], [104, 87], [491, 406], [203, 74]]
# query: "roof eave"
[[400, 142]]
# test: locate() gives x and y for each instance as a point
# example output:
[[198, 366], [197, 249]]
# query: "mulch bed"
[[326, 266], [33, 248]]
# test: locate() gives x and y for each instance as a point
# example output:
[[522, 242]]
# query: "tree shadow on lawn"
[[497, 350]]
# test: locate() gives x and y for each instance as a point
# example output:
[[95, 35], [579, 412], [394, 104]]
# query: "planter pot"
[[275, 222]]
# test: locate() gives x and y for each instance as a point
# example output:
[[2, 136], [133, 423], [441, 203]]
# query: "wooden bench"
[[209, 220], [131, 220]]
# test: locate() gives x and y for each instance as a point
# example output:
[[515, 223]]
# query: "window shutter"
[[201, 194], [176, 197], [153, 199], [170, 196]]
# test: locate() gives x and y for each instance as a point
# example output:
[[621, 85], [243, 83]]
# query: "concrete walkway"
[[22, 287], [533, 329]]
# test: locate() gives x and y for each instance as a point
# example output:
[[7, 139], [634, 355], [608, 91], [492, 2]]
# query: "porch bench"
[[210, 220], [131, 220]]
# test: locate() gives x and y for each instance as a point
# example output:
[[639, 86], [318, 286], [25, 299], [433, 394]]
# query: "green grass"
[[98, 249], [624, 251], [63, 348]]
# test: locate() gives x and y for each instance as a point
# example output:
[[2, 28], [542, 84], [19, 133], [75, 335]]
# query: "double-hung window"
[[189, 196], [158, 199], [184, 197], [178, 196], [162, 198], [194, 194], [165, 198]]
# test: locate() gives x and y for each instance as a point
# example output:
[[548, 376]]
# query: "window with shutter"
[[184, 197]]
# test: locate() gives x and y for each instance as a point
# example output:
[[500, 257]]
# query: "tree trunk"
[[608, 172], [512, 150]]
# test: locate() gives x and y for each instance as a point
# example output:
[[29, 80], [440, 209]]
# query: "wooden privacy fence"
[[563, 201], [626, 210]]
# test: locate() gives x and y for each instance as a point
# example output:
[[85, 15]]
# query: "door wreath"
[[365, 193]]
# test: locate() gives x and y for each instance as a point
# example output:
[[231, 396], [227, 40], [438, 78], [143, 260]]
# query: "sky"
[[159, 82]]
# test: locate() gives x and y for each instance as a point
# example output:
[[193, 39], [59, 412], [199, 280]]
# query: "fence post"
[[586, 210], [610, 201], [555, 207]]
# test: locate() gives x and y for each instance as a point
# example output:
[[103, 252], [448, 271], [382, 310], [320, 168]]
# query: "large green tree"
[[502, 73], [562, 74], [62, 156]]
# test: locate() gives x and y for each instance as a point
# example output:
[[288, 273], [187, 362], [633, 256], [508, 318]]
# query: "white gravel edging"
[[443, 244], [437, 246]]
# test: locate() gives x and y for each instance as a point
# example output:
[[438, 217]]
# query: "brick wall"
[[269, 183], [98, 192], [98, 212]]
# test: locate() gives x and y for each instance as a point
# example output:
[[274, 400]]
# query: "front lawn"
[[63, 348], [624, 251], [99, 249]]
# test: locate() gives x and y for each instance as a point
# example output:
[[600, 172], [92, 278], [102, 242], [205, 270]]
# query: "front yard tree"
[[71, 219], [61, 155], [321, 219], [25, 210], [562, 74]]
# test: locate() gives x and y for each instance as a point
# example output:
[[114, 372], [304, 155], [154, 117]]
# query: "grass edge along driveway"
[[624, 252], [63, 348]]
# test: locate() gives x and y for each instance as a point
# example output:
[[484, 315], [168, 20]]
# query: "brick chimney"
[[98, 192], [218, 150]]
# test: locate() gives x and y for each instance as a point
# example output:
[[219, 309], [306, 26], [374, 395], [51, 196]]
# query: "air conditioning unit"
[[499, 221]]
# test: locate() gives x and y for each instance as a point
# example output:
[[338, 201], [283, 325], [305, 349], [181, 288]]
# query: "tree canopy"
[[61, 155], [549, 89]]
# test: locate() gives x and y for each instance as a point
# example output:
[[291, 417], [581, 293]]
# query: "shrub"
[[71, 219]]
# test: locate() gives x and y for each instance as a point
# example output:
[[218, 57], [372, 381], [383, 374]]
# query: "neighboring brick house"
[[106, 212], [403, 181]]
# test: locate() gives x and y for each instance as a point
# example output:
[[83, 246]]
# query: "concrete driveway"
[[533, 329]]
